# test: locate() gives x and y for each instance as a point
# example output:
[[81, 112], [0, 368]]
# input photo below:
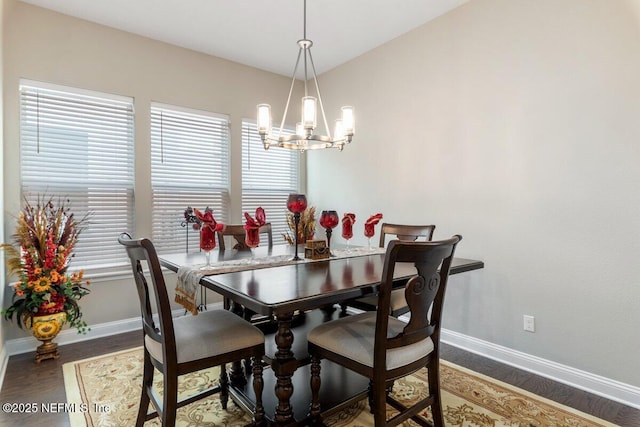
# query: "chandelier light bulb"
[[348, 121], [264, 119], [309, 112]]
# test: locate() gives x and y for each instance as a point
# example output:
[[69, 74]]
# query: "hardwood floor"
[[26, 382]]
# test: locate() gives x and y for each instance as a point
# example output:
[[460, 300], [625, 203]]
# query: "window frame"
[[64, 116], [183, 194]]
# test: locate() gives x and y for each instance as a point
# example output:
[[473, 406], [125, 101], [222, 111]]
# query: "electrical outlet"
[[529, 323]]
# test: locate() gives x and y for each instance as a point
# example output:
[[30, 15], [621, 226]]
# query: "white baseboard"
[[611, 389]]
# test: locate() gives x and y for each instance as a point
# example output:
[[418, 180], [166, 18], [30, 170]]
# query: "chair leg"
[[343, 309], [248, 366], [147, 382], [370, 397], [224, 386], [258, 386], [170, 400], [434, 390], [379, 403], [314, 408]]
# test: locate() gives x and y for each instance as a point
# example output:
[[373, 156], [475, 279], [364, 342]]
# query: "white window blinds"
[[268, 176], [189, 167], [78, 145]]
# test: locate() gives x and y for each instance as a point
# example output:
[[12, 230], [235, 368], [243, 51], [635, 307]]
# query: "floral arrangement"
[[42, 247], [306, 228]]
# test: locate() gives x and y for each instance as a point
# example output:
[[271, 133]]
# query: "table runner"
[[189, 275]]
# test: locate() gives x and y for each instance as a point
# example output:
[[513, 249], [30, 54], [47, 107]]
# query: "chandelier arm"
[[293, 81], [315, 79], [306, 51]]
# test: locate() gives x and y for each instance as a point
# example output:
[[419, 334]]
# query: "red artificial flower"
[[258, 222], [208, 219]]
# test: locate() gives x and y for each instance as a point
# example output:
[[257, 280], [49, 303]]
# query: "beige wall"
[[515, 124], [45, 46]]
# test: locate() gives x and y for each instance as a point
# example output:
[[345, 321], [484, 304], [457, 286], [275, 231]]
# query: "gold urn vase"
[[45, 328]]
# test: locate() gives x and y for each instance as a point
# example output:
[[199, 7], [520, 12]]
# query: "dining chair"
[[398, 302], [238, 233], [384, 348], [186, 344]]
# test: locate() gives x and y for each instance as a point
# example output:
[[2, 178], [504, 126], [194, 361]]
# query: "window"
[[78, 145], [268, 176], [189, 167]]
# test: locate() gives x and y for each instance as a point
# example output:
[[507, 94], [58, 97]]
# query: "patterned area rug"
[[105, 392]]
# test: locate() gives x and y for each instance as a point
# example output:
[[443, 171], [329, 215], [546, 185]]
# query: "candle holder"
[[296, 204], [329, 220]]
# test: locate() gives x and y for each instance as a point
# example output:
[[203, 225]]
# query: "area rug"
[[104, 392]]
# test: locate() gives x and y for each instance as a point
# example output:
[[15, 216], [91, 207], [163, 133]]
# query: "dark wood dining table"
[[285, 292]]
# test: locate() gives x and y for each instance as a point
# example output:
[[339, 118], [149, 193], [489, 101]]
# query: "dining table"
[[296, 296]]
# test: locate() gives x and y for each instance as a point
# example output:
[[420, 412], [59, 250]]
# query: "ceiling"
[[262, 33]]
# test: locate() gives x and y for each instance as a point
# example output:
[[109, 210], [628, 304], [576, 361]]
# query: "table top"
[[302, 285]]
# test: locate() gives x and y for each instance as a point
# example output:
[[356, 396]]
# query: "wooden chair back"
[[424, 293], [238, 233], [142, 251], [401, 232], [406, 232]]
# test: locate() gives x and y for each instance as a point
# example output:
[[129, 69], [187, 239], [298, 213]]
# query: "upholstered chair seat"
[[208, 334], [354, 338]]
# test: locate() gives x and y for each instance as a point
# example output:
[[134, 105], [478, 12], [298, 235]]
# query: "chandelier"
[[305, 138]]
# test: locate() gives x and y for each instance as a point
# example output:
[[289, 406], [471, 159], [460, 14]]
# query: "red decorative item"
[[296, 203], [329, 220], [208, 232], [252, 227], [347, 225], [369, 226]]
